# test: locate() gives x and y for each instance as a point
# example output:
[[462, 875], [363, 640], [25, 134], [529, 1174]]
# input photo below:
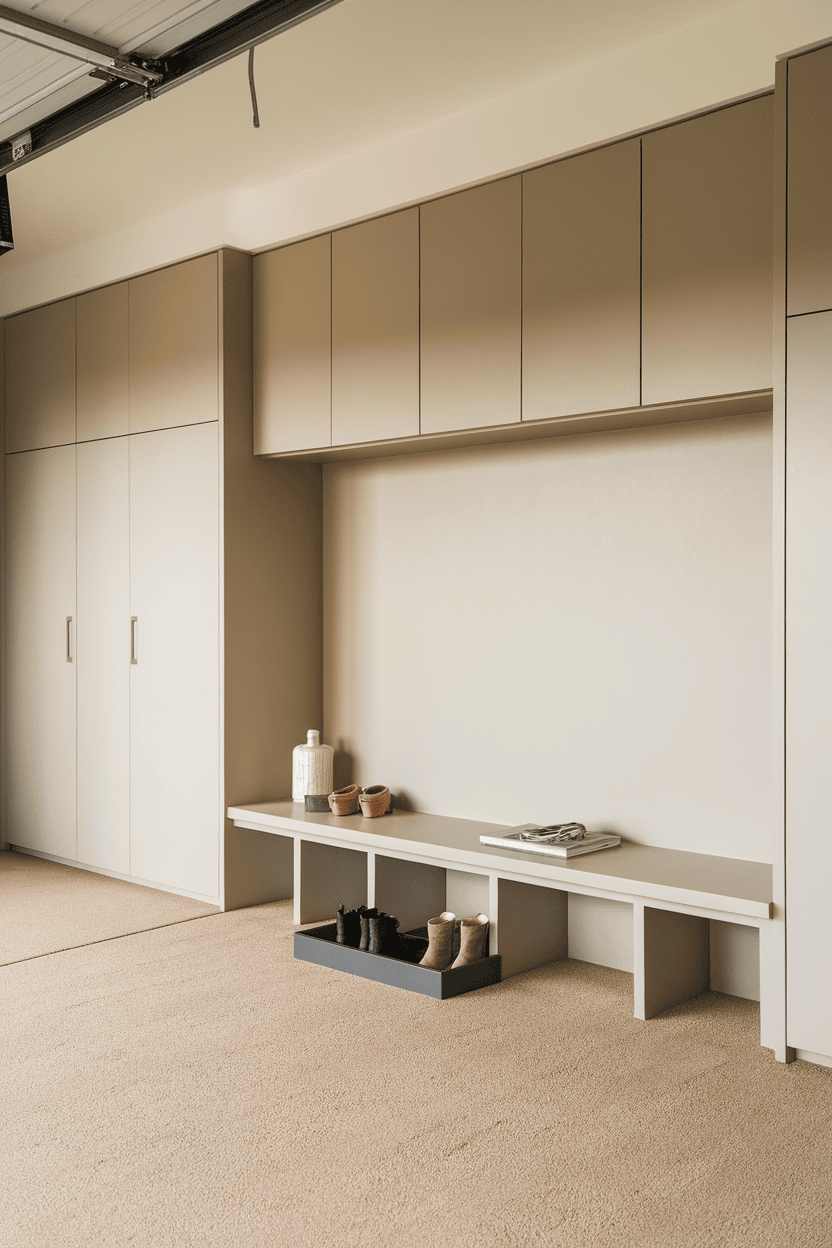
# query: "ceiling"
[[357, 73], [48, 48]]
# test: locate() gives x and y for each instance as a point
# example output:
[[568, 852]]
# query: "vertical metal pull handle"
[[69, 639], [134, 639]]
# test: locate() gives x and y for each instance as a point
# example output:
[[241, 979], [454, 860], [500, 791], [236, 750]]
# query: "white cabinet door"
[[809, 682], [174, 682], [103, 655], [40, 667]]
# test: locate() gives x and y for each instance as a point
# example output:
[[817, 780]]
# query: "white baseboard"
[[116, 875], [818, 1059]]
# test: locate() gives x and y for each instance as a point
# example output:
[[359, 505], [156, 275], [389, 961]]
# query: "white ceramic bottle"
[[311, 767]]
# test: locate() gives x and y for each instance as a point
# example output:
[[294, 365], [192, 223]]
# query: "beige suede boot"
[[473, 942], [440, 942]]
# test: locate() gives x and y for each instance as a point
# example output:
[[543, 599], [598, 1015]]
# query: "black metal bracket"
[[245, 30]]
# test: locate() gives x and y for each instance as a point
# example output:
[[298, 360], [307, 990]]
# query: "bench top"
[[732, 887]]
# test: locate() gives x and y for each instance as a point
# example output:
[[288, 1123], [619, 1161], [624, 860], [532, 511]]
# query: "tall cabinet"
[[155, 662], [804, 423]]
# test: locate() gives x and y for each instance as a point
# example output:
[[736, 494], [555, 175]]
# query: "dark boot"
[[384, 934], [364, 916], [347, 926]]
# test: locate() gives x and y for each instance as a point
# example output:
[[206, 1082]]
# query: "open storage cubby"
[[413, 891], [324, 875]]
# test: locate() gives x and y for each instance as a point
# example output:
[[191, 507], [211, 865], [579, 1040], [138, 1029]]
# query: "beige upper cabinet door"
[[292, 312], [470, 308], [375, 329], [103, 409], [707, 260], [40, 377], [581, 276], [809, 281], [174, 374], [40, 650]]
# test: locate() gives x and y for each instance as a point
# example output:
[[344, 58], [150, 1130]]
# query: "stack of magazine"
[[559, 840]]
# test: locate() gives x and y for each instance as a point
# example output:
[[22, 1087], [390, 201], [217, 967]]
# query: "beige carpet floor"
[[194, 1085], [46, 907]]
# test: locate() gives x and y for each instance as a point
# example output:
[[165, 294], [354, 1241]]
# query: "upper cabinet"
[[625, 285], [581, 262], [809, 279], [471, 308], [173, 334], [707, 254], [375, 329], [40, 377], [128, 358], [292, 315]]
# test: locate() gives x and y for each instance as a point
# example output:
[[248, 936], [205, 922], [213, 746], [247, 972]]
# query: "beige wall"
[[566, 629]]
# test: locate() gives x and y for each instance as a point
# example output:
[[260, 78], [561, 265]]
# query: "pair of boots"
[[473, 941], [372, 929]]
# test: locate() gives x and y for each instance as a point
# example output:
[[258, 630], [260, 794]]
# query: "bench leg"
[[671, 959], [325, 875], [531, 927]]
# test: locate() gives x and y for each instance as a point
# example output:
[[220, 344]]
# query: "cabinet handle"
[[134, 639], [69, 639]]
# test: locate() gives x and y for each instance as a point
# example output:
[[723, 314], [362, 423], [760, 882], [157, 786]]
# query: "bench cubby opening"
[[413, 891], [324, 875], [467, 893], [601, 931]]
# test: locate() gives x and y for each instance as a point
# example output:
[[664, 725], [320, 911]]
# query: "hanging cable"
[[256, 114]]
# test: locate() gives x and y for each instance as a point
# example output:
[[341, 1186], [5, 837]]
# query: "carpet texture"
[[46, 907], [194, 1085]]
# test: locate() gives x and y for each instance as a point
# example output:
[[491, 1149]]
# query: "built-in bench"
[[405, 862]]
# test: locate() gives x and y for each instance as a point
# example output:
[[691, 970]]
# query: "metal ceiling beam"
[[69, 43], [245, 30]]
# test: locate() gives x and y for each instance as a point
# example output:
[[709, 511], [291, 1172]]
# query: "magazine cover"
[[558, 840]]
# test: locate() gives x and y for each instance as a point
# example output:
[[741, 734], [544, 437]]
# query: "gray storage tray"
[[318, 945]]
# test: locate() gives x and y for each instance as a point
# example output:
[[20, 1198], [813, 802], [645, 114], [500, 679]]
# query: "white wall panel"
[[575, 629]]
